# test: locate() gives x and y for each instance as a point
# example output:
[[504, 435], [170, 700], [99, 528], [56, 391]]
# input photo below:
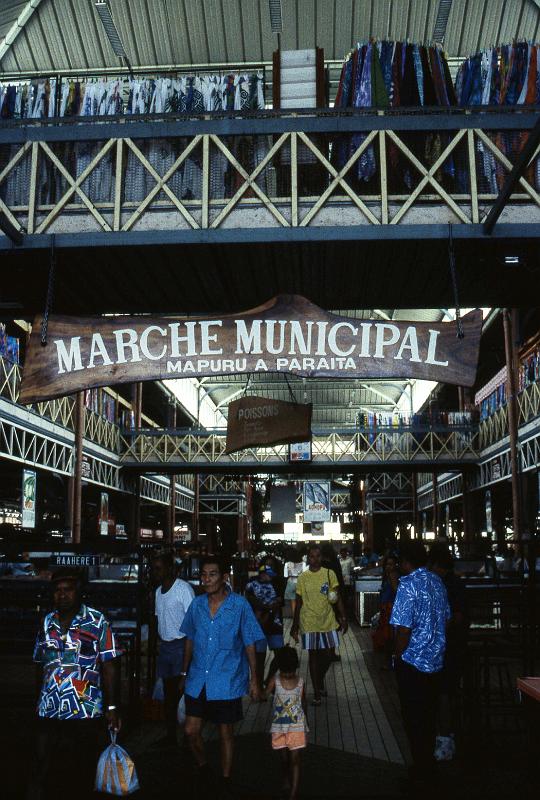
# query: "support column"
[[77, 476], [509, 320], [435, 501], [136, 404], [467, 532], [416, 515], [195, 522], [171, 517]]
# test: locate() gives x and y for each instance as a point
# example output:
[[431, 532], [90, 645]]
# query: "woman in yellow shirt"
[[316, 594]]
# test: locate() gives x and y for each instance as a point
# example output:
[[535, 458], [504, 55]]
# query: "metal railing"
[[328, 168], [201, 449], [61, 410], [495, 428]]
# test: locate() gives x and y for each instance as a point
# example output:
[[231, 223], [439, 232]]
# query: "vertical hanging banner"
[[287, 335], [317, 505], [104, 514], [29, 499]]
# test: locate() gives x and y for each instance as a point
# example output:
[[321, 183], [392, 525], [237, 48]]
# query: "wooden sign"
[[288, 334], [259, 421]]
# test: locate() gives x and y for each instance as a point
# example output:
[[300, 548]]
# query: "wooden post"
[[77, 477], [435, 501], [509, 319]]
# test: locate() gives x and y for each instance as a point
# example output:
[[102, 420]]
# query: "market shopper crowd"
[[213, 651]]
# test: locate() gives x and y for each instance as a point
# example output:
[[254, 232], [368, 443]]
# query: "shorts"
[[273, 641], [220, 712], [294, 740], [170, 660], [320, 641], [290, 589]]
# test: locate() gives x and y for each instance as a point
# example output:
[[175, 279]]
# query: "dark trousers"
[[418, 695], [66, 755]]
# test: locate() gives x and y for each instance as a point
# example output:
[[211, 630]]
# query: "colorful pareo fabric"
[[71, 665]]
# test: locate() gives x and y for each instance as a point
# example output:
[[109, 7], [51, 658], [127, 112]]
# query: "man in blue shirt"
[[219, 662], [419, 615]]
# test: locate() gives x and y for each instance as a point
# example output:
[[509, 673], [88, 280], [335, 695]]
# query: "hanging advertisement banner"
[[301, 451], [489, 515], [316, 501], [288, 335], [104, 514], [260, 421], [29, 499]]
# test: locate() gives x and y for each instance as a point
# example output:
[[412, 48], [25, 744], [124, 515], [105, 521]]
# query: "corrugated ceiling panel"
[[54, 35], [344, 33], [224, 29], [180, 34], [492, 20], [9, 63], [269, 39], [198, 31], [138, 33], [252, 32], [529, 22], [399, 21], [234, 26], [290, 38], [325, 27], [161, 27], [9, 13], [510, 21], [380, 18]]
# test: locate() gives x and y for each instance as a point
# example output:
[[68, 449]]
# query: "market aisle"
[[351, 718]]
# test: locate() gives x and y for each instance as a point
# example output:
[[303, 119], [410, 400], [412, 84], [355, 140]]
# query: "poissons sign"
[[288, 334]]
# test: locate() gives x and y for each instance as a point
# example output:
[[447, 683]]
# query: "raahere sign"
[[288, 334], [260, 421]]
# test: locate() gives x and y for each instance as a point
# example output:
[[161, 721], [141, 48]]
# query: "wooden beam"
[[522, 162]]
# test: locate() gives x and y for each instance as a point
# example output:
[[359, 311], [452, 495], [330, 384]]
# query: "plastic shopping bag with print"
[[116, 772]]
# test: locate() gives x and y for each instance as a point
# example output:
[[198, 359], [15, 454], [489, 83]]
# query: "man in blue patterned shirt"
[[420, 614]]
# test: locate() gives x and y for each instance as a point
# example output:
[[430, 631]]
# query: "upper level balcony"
[[266, 176]]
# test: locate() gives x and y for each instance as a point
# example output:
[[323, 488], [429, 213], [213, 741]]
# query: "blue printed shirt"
[[71, 664], [219, 659], [421, 604]]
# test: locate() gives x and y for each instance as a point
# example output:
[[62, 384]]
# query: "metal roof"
[[67, 34]]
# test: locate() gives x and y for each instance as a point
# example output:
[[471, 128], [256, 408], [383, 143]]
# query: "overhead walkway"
[[149, 180]]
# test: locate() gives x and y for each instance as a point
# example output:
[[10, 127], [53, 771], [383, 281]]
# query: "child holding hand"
[[289, 724]]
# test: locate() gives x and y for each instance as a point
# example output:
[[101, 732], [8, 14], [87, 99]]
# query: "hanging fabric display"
[[388, 74], [508, 75], [184, 94]]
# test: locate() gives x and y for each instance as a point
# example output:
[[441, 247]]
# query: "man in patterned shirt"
[[419, 614], [76, 653]]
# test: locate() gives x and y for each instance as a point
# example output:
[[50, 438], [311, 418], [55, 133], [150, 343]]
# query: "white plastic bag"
[[116, 772], [181, 711]]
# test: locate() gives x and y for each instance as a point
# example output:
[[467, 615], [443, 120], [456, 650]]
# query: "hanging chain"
[[291, 393], [247, 384], [50, 294], [452, 262]]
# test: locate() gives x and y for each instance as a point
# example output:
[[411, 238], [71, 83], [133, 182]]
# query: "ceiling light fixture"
[[110, 28], [276, 18], [443, 12], [511, 259]]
